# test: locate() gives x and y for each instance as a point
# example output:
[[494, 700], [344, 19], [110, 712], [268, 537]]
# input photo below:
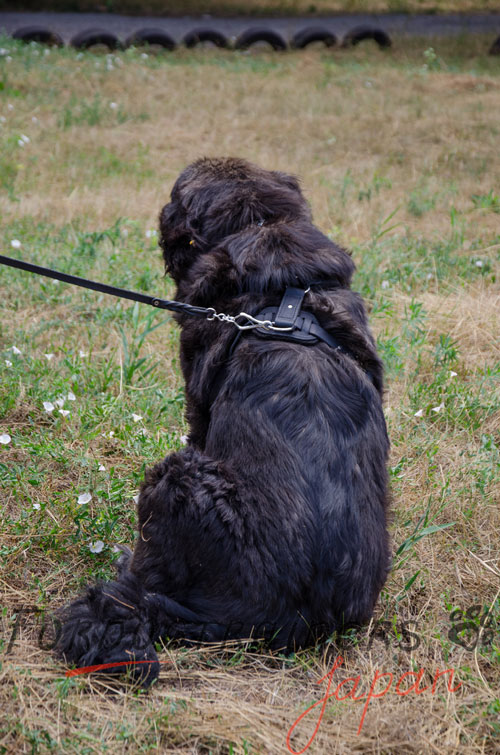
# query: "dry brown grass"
[[369, 134], [327, 120]]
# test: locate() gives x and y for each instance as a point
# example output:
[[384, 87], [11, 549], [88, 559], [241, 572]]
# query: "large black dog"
[[272, 522]]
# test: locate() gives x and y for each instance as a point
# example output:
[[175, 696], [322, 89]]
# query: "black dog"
[[272, 522]]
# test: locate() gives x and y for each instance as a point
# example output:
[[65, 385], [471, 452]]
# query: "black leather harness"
[[290, 323]]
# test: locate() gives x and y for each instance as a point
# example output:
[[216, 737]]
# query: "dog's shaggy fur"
[[272, 522]]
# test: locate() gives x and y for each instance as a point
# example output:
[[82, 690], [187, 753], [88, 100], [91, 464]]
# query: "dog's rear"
[[272, 522]]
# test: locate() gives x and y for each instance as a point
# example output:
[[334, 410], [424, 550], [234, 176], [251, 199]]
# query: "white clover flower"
[[419, 413], [113, 105], [15, 350], [55, 282], [452, 373], [385, 284], [136, 417], [36, 506], [49, 357], [479, 263], [438, 408], [25, 138], [102, 468], [48, 406], [84, 498], [96, 547], [71, 396], [59, 401], [20, 142], [184, 440], [15, 244], [82, 354], [5, 439], [64, 412], [8, 363]]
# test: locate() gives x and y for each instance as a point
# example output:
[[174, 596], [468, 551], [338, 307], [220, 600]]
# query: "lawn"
[[398, 153]]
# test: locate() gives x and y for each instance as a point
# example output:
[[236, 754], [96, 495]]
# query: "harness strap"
[[289, 308]]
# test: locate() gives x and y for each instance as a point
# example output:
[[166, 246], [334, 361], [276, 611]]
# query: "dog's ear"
[[176, 240]]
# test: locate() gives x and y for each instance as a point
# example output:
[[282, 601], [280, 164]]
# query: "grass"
[[251, 7], [398, 154]]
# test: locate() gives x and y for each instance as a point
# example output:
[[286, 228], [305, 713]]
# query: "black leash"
[[286, 322], [153, 301]]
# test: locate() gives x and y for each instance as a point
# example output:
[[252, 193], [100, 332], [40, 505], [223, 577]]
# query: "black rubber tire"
[[360, 33], [90, 37], [312, 34], [150, 37], [38, 34], [495, 47], [196, 36], [251, 36]]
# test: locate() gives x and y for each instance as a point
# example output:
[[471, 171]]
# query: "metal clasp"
[[251, 322]]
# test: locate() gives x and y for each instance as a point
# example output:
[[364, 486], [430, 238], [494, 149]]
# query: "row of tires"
[[311, 34], [91, 37]]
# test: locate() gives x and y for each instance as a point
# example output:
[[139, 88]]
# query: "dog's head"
[[217, 197], [254, 225]]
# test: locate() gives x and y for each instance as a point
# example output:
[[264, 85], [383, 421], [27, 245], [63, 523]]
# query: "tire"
[[251, 36], [90, 37], [38, 34], [151, 37], [312, 34], [495, 47], [360, 33], [196, 36]]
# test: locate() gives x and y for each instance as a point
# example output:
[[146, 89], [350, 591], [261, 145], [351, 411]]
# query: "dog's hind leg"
[[118, 622]]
